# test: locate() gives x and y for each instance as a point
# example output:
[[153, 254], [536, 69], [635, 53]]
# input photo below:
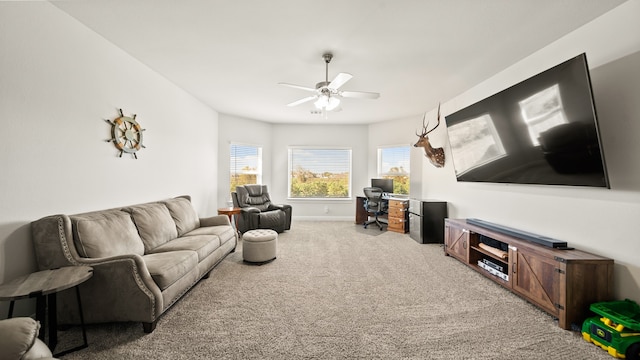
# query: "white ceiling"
[[415, 53]]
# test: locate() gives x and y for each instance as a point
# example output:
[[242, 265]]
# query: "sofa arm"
[[19, 339], [53, 242], [215, 221], [121, 289]]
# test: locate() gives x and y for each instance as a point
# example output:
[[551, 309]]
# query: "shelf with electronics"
[[561, 282]]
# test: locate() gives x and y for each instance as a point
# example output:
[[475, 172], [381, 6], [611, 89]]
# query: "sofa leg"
[[149, 327], [206, 276]]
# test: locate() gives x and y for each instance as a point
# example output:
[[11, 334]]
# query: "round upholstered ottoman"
[[259, 246]]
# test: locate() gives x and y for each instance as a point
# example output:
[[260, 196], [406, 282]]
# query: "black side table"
[[44, 285]]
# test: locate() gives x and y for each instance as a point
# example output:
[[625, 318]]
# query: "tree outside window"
[[319, 173], [394, 163]]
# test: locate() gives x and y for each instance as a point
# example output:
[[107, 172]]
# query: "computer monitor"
[[385, 184]]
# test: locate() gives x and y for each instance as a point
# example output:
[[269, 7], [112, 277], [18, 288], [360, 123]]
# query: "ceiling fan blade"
[[339, 80], [359, 94], [302, 101], [298, 86]]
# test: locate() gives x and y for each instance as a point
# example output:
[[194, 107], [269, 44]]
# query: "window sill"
[[320, 199]]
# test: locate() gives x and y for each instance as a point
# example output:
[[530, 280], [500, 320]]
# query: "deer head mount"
[[435, 155]]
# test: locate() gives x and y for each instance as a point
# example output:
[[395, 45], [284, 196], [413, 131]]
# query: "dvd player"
[[538, 239]]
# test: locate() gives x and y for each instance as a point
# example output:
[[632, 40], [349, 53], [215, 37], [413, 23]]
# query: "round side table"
[[232, 213], [44, 285]]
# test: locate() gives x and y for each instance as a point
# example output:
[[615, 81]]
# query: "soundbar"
[[538, 239]]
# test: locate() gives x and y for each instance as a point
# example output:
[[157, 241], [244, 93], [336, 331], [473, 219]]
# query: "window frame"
[[292, 149]]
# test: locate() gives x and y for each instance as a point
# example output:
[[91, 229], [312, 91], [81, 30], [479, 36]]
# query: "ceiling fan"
[[327, 94]]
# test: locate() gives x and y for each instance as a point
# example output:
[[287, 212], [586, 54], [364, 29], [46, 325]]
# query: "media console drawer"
[[564, 283]]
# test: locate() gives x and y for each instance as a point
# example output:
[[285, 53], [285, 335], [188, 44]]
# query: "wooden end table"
[[44, 285], [232, 213]]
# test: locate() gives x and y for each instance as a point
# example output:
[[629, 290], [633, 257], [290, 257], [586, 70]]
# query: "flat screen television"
[[543, 130], [385, 184]]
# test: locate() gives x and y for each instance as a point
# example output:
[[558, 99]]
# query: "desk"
[[361, 214], [397, 216], [44, 285]]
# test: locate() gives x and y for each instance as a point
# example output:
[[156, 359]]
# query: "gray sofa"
[[144, 257], [19, 340]]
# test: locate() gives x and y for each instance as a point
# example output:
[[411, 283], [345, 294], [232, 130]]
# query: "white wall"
[[601, 221], [400, 132], [275, 140], [351, 136], [233, 129], [58, 82]]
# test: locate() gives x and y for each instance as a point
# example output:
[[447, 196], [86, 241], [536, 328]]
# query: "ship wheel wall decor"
[[126, 134]]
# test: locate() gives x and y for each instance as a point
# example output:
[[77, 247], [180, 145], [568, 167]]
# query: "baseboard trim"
[[322, 218]]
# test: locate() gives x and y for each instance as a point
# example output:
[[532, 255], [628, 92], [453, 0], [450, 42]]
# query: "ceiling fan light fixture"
[[326, 102], [322, 102], [328, 93], [333, 103]]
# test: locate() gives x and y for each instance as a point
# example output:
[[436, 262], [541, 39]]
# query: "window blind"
[[245, 163], [319, 173]]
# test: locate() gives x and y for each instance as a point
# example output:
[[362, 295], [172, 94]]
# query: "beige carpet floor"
[[337, 291]]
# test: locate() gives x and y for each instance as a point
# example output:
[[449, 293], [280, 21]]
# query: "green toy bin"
[[617, 330]]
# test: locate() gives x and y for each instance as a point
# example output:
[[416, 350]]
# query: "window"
[[245, 164], [475, 142], [542, 111], [319, 173], [393, 163]]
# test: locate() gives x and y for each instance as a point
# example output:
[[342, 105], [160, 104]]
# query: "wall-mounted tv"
[[543, 130]]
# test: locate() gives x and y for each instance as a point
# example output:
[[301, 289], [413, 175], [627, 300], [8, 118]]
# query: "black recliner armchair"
[[257, 210]]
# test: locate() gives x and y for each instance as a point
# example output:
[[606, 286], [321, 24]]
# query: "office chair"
[[374, 204]]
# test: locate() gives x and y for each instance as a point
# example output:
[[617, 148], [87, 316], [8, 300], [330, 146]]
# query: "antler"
[[424, 127], [425, 132]]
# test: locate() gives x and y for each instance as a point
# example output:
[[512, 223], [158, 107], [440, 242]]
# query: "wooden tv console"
[[561, 282]]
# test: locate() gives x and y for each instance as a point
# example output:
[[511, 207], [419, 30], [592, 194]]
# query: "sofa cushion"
[[203, 245], [224, 233], [154, 223], [183, 214], [39, 350], [105, 234], [17, 336], [168, 267]]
